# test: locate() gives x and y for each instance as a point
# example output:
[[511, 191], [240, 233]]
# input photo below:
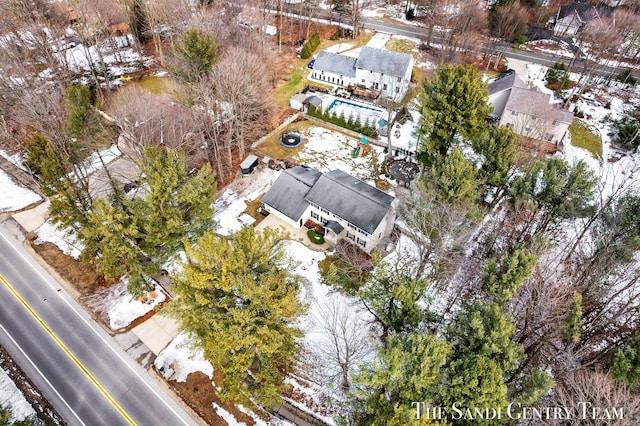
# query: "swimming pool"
[[367, 113]]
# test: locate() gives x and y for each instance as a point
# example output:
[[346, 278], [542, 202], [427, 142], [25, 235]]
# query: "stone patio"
[[296, 234]]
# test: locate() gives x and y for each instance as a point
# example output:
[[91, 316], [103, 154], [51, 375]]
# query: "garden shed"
[[249, 164]]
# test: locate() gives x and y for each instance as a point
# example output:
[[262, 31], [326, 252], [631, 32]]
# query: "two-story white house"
[[527, 111], [346, 207], [375, 69]]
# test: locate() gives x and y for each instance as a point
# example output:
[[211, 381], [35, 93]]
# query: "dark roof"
[[334, 226], [313, 100], [351, 199], [585, 11], [287, 194], [383, 61], [335, 63]]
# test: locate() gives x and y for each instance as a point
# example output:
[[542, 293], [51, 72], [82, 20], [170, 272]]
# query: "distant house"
[[573, 18], [380, 70], [527, 111], [346, 207]]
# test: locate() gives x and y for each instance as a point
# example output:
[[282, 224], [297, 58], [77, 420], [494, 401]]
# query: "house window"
[[514, 112], [375, 86], [399, 79], [351, 236], [555, 122], [384, 86], [323, 220], [363, 80], [509, 125], [315, 216], [351, 226], [362, 242], [397, 90], [362, 232], [527, 129], [324, 210]]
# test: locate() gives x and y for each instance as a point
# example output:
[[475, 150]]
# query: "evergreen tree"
[[497, 146], [136, 235], [60, 180], [453, 104], [81, 118], [502, 278], [193, 55], [394, 297], [626, 362], [574, 319], [556, 189], [238, 298], [455, 178], [407, 370]]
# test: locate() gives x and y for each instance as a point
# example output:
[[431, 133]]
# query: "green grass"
[[154, 84], [315, 237], [296, 82], [583, 137]]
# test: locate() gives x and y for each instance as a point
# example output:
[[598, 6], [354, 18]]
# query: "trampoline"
[[291, 140]]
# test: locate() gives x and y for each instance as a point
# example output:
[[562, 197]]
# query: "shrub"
[[335, 36], [315, 237]]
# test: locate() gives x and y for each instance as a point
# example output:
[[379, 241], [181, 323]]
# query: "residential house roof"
[[287, 194], [504, 82], [585, 11], [536, 104], [351, 199], [335, 63], [530, 101], [383, 61]]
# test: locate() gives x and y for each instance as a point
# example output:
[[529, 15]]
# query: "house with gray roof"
[[346, 207], [380, 70], [574, 17], [527, 111]]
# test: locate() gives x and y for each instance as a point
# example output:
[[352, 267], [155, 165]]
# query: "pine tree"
[[137, 235], [574, 320], [455, 179], [453, 104], [408, 369], [60, 180], [238, 298], [497, 146], [394, 298], [81, 119], [193, 55], [502, 278]]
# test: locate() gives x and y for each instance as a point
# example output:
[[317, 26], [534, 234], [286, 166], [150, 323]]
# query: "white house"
[[346, 207], [527, 111], [380, 70]]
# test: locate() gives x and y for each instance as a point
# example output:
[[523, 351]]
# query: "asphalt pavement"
[[77, 366]]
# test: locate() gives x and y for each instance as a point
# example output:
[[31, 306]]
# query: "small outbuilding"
[[249, 164]]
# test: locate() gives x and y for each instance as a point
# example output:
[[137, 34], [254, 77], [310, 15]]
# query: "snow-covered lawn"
[[11, 398], [14, 197]]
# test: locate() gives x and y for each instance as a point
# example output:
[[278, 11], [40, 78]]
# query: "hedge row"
[[348, 123], [310, 46]]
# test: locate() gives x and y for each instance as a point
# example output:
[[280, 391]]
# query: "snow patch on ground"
[[16, 159], [230, 204], [126, 309], [14, 197], [184, 357], [65, 240], [11, 398], [227, 416]]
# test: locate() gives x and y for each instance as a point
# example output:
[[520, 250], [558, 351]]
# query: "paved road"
[[77, 365]]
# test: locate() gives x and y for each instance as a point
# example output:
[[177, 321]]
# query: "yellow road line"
[[70, 354]]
